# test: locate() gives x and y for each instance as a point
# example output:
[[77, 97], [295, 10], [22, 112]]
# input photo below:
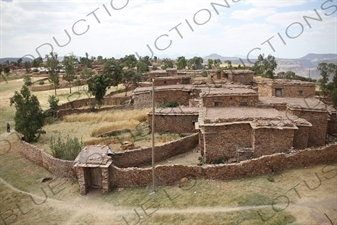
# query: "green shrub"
[[27, 80], [168, 105], [204, 73], [41, 82], [53, 101], [50, 119], [67, 150]]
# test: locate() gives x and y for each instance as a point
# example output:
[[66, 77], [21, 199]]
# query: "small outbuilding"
[[92, 168]]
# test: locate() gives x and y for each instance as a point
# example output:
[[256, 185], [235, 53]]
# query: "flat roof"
[[286, 82], [207, 87], [259, 116], [296, 103], [176, 111], [224, 91]]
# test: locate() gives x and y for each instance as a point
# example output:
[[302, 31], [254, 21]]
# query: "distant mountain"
[[305, 66], [320, 57], [3, 60], [216, 56]]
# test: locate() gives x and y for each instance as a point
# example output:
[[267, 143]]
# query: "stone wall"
[[265, 90], [65, 112], [138, 157], [293, 90], [332, 124], [244, 78], [58, 167], [171, 174], [319, 121], [230, 101], [162, 81], [174, 123], [144, 99], [223, 141], [86, 102], [267, 141], [301, 137]]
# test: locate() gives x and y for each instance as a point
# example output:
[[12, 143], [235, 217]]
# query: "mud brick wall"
[[172, 80], [86, 102], [228, 101], [143, 156], [288, 90], [293, 90], [58, 167], [332, 124], [246, 78], [222, 141], [318, 131], [65, 112], [267, 141], [301, 137], [176, 123], [144, 99], [265, 90], [171, 174]]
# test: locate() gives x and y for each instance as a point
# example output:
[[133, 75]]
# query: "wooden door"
[[96, 177]]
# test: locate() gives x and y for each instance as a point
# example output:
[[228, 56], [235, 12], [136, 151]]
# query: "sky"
[[168, 28]]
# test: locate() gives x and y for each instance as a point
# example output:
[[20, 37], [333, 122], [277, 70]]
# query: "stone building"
[[92, 168], [244, 77], [172, 80], [238, 133], [230, 95], [175, 120], [286, 88]]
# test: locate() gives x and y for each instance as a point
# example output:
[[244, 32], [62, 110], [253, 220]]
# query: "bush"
[[50, 119], [204, 73], [27, 80], [67, 150], [77, 82], [41, 82], [168, 105], [53, 101]]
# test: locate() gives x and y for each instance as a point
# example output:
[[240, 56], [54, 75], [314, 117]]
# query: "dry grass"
[[109, 116]]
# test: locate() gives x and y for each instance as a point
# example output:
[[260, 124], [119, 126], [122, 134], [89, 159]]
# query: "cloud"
[[276, 3], [251, 14]]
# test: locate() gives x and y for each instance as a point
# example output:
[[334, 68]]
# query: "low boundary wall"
[[58, 167], [142, 156], [170, 174]]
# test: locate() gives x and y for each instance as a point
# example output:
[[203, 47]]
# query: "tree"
[[181, 63], [97, 86], [86, 61], [329, 89], [28, 65], [29, 115], [168, 63], [53, 101], [86, 73], [129, 61], [229, 64], [142, 67], [69, 67], [217, 63], [265, 66], [37, 62], [52, 65], [7, 70], [210, 64], [195, 63], [130, 78], [113, 71]]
